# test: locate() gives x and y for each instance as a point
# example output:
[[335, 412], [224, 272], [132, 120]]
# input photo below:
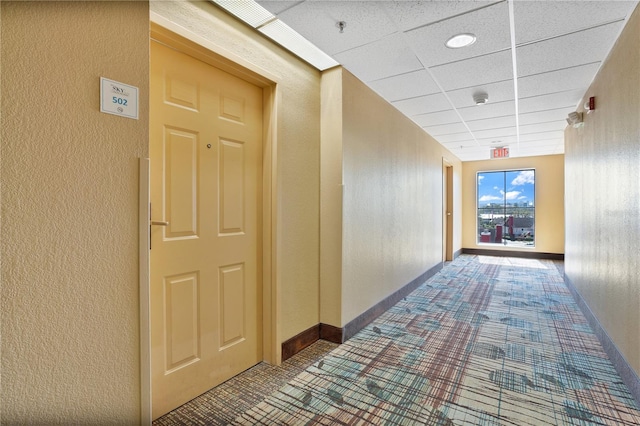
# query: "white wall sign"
[[118, 98]]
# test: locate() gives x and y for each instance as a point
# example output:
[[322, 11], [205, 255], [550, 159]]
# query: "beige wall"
[[549, 200], [603, 196], [298, 153], [331, 199], [69, 246], [391, 200]]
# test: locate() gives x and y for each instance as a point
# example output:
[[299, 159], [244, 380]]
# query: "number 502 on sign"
[[118, 98]]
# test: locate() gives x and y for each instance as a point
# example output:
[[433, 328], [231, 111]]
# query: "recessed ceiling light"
[[460, 40]]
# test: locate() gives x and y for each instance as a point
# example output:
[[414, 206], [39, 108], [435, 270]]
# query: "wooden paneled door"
[[206, 191]]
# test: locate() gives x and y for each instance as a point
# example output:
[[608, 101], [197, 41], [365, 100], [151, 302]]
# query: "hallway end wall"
[[603, 197], [549, 201], [69, 246]]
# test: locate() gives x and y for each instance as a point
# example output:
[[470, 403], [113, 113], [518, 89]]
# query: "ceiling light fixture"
[[460, 40], [575, 119]]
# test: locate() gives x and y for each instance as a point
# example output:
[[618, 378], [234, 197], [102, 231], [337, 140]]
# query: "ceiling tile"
[[490, 25], [412, 14], [536, 20], [436, 118], [446, 129], [530, 137], [544, 116], [543, 127], [562, 52], [456, 138], [409, 85], [557, 100], [534, 151], [492, 123], [471, 154], [480, 134], [423, 104], [384, 58], [467, 146], [547, 144], [495, 134], [316, 21], [544, 138], [475, 71], [578, 77], [492, 109]]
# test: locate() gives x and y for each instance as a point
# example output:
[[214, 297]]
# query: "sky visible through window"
[[519, 188]]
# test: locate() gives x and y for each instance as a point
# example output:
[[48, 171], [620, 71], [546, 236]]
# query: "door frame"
[[166, 32], [447, 210]]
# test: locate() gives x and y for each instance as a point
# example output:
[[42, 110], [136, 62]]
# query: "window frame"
[[477, 227]]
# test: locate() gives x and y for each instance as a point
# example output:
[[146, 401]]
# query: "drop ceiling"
[[547, 52]]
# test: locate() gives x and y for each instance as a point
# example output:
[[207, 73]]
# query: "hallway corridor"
[[487, 341]]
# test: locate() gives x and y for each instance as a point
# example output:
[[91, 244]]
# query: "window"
[[506, 207]]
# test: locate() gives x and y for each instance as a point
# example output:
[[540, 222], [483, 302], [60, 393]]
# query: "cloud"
[[524, 177], [496, 188], [480, 179], [522, 197], [485, 198], [512, 195]]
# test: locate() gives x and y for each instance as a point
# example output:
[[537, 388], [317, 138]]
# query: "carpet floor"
[[486, 341], [222, 404]]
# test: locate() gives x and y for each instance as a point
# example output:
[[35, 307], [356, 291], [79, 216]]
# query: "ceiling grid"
[[534, 59]]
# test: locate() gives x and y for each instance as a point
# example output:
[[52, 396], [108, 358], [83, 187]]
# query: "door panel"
[[182, 320], [233, 303], [206, 169], [181, 180], [232, 189]]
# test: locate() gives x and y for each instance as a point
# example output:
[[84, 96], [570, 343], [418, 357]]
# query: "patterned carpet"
[[487, 341], [222, 404]]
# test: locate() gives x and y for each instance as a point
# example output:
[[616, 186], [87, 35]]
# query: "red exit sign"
[[500, 152]]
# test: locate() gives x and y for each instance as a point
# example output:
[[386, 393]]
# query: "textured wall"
[[298, 175], [549, 199], [392, 202], [69, 246], [603, 196], [331, 199]]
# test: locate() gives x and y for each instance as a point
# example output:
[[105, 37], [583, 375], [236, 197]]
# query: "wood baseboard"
[[309, 336], [340, 335], [330, 333], [300, 341]]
